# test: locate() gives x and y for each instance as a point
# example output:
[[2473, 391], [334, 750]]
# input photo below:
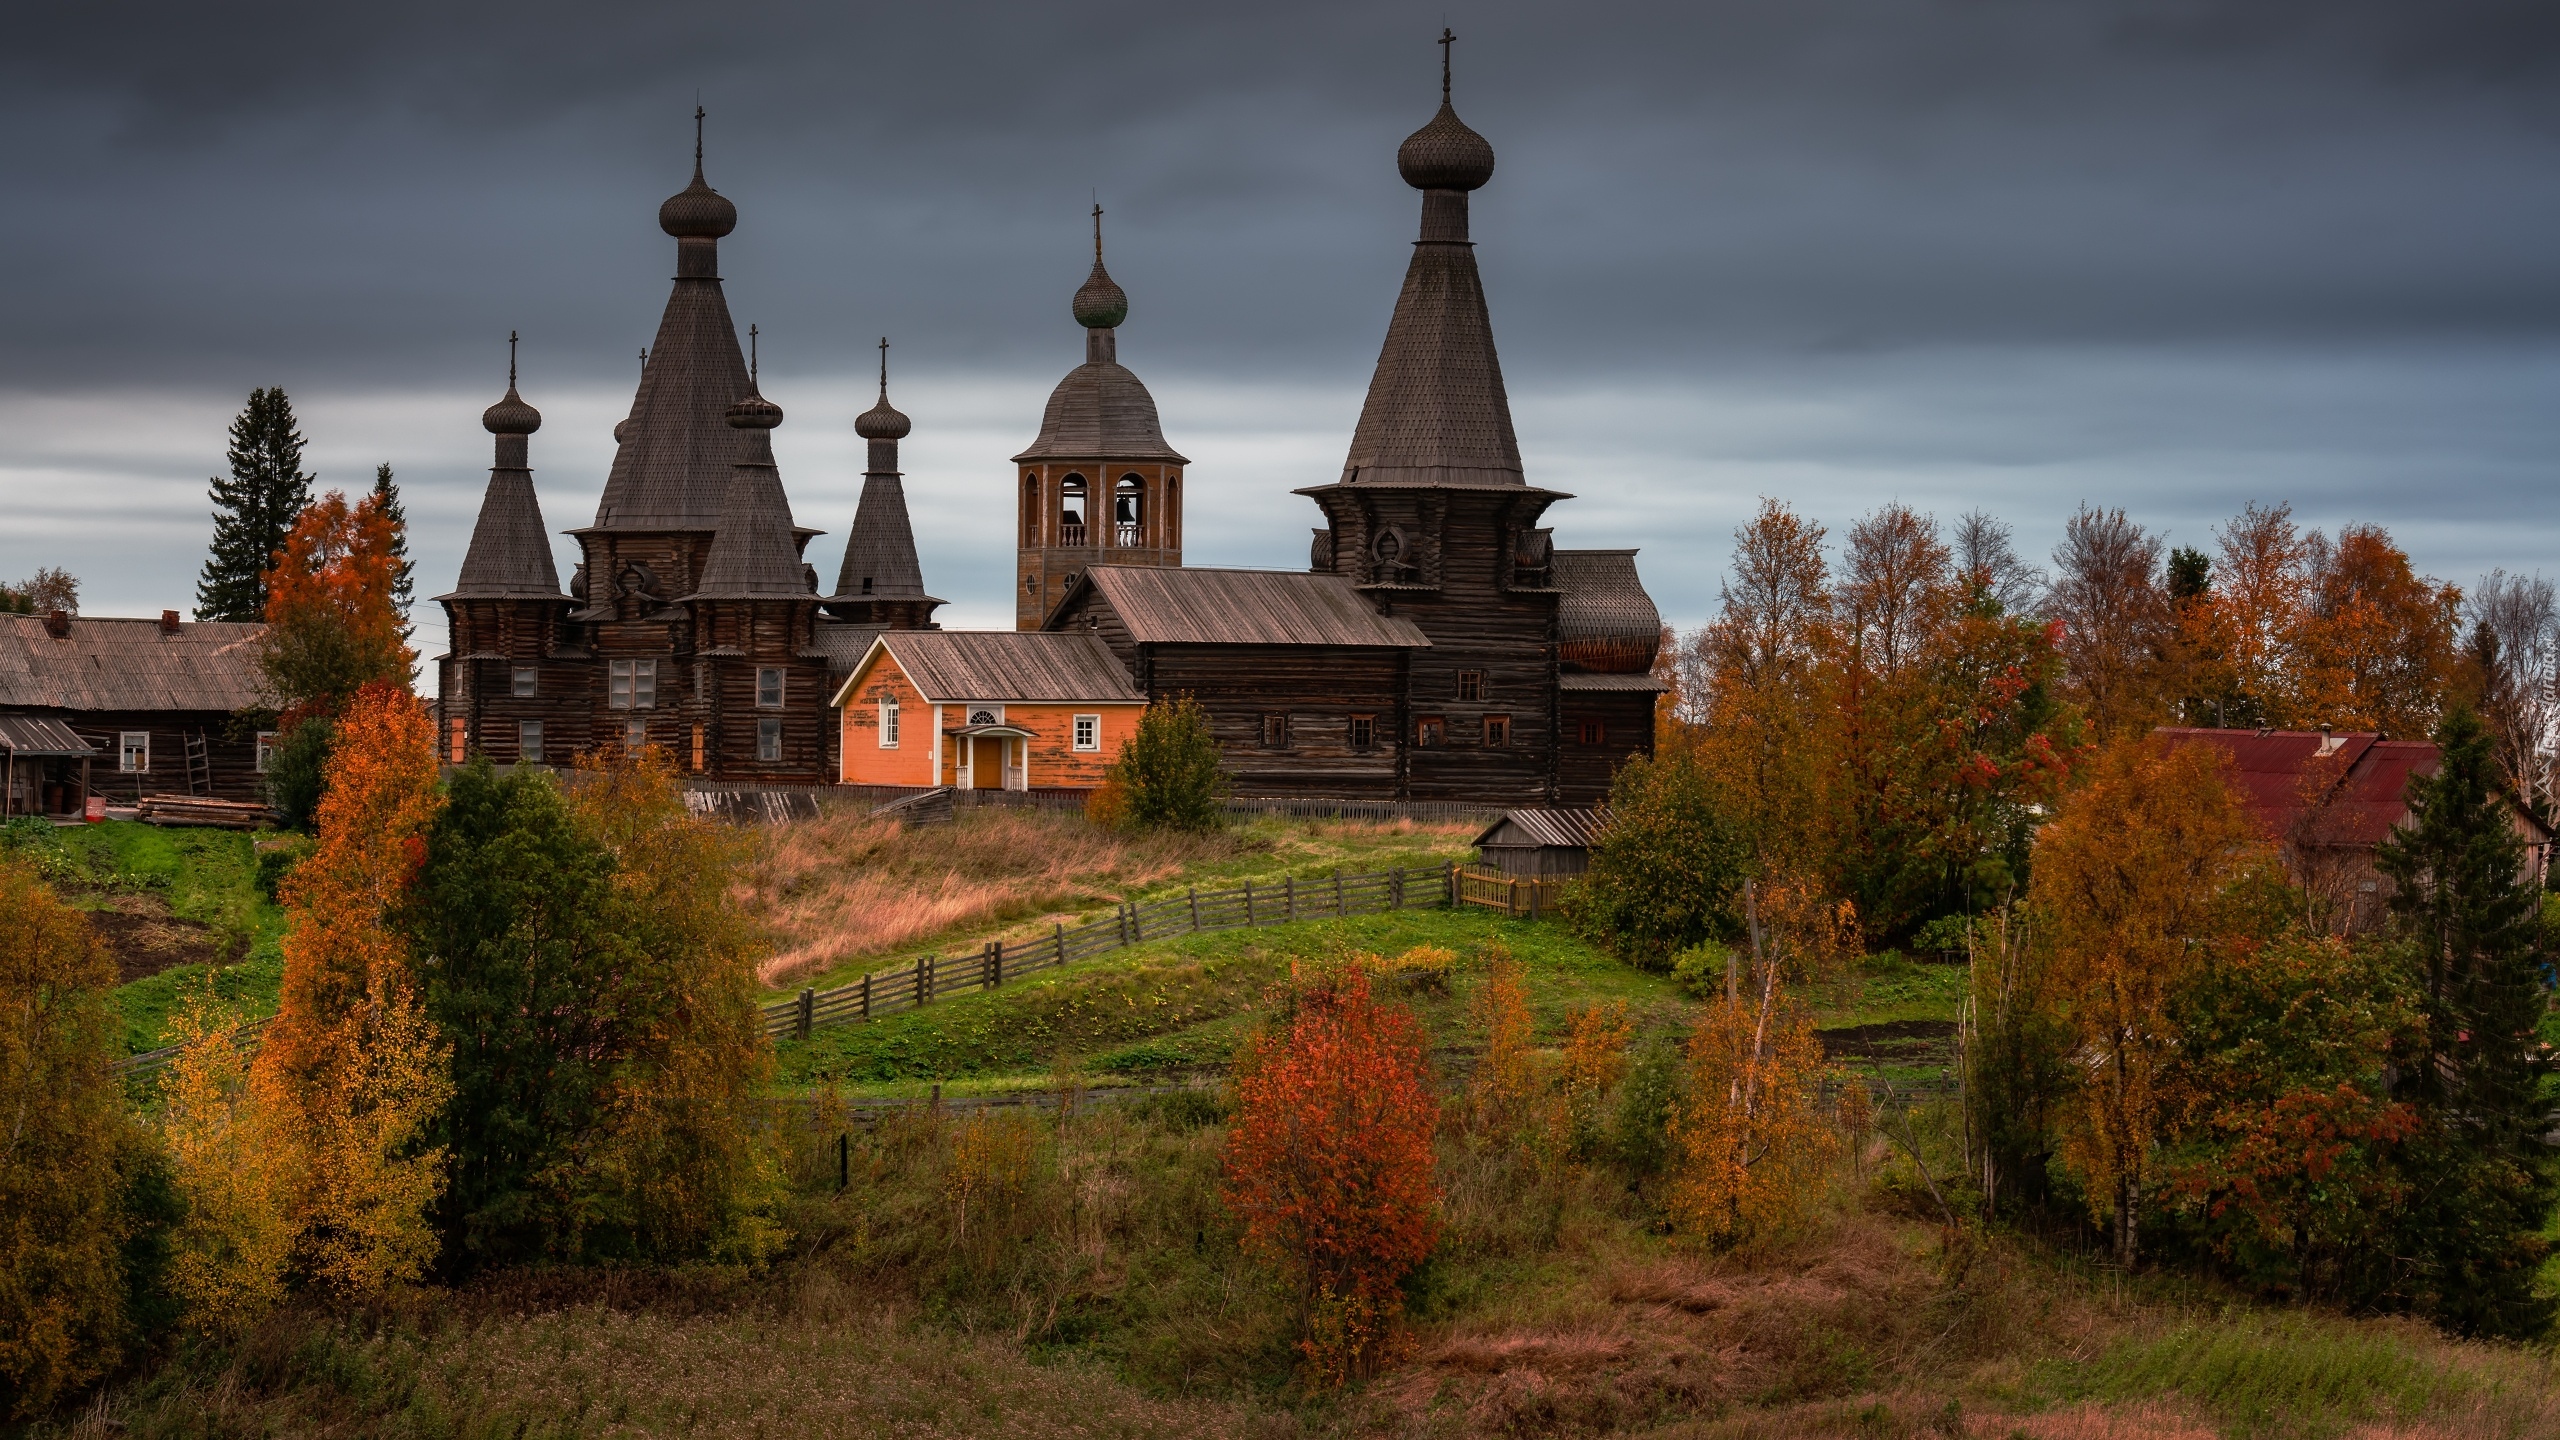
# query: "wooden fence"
[[929, 977], [245, 1036], [1507, 893]]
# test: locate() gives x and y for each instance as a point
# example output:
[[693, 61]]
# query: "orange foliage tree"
[[238, 1169], [1751, 1148], [333, 622], [1329, 1163], [352, 1070], [1761, 668], [2135, 881], [1506, 1080], [61, 1122], [2379, 641]]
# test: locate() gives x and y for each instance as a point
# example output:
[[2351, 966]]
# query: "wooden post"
[[1248, 902], [1137, 924], [1511, 907], [1120, 914], [1195, 909], [806, 1017], [1453, 884], [995, 964], [866, 995], [1395, 889], [1337, 890], [921, 962], [844, 1160], [1058, 934], [1289, 890]]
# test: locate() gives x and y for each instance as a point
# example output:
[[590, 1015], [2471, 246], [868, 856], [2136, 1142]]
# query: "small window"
[[1088, 732], [769, 688], [458, 740], [697, 749], [986, 714], [1275, 732], [133, 751], [889, 724], [769, 738], [1364, 731], [1592, 732], [635, 734], [1470, 684], [527, 680], [1497, 729], [1430, 731], [634, 685], [266, 750], [529, 741]]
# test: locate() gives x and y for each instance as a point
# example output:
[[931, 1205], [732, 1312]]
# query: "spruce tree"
[[2467, 919], [404, 588], [258, 503]]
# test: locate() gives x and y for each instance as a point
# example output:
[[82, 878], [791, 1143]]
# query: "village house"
[[113, 709], [985, 710]]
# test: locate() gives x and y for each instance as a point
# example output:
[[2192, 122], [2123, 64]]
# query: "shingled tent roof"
[[1164, 606], [1605, 621], [753, 553], [510, 554], [671, 470], [1437, 413], [955, 666], [119, 664]]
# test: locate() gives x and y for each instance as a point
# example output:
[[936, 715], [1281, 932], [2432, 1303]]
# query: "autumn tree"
[[2135, 879], [333, 627], [238, 1166], [255, 506], [1750, 1147], [1668, 870], [2106, 595], [2378, 643], [51, 588], [1506, 1082], [351, 1066], [2514, 657], [1329, 1164], [2466, 917], [1766, 705], [62, 1285], [2016, 1051], [676, 1167]]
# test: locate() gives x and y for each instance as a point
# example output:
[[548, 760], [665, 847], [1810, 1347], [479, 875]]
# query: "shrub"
[[62, 1287], [1330, 1167], [1699, 970], [1750, 1151], [1169, 769], [1668, 872], [1424, 967], [297, 771], [1506, 1079]]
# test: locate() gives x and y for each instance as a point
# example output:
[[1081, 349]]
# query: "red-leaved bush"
[[1330, 1166]]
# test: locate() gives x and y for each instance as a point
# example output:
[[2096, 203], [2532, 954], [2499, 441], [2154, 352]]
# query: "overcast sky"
[[2006, 254]]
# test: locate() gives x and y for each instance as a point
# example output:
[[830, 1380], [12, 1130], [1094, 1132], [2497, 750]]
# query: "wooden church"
[[1437, 646]]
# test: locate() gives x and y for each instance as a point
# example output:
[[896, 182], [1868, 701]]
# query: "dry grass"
[[844, 888]]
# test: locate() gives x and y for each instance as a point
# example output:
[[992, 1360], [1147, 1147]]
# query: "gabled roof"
[[1605, 622], [1577, 829], [1165, 606], [1032, 666], [118, 664], [2345, 788]]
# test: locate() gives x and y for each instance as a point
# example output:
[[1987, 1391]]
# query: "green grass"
[[1891, 987], [1183, 1002], [2279, 1374]]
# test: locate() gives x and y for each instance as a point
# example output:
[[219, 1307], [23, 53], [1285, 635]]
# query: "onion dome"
[[882, 421], [697, 211], [1445, 154], [1101, 303], [511, 416], [754, 413]]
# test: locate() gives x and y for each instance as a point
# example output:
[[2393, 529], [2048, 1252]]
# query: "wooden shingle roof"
[[1164, 606], [510, 554], [959, 666], [1101, 411], [671, 468], [117, 664], [1605, 622], [754, 554]]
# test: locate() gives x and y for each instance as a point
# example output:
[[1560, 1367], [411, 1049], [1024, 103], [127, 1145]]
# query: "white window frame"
[[994, 714], [266, 751], [1088, 732], [775, 674], [633, 685], [130, 743], [769, 739], [889, 723], [529, 731], [635, 733], [524, 680]]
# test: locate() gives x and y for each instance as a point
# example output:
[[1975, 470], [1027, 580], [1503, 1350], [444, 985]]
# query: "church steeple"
[[671, 467], [510, 554], [754, 554], [1437, 413], [1099, 486], [882, 582]]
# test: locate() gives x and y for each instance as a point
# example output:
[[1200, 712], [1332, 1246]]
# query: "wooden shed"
[[1541, 844]]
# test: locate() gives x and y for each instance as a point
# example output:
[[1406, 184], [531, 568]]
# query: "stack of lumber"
[[204, 810], [938, 806]]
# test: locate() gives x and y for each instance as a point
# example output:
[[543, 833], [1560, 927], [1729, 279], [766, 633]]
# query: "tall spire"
[[1437, 413], [1100, 411], [753, 554], [881, 581], [1100, 304], [510, 553], [671, 470]]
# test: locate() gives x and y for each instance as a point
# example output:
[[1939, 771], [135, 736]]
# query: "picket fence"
[[930, 977]]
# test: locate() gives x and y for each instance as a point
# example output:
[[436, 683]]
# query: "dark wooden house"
[[152, 701], [693, 620]]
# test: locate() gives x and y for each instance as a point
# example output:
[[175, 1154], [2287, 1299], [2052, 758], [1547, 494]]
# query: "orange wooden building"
[[985, 709]]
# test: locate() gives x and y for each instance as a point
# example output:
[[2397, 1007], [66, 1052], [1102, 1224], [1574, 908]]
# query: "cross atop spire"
[[1448, 37], [1097, 232], [752, 382], [511, 359], [884, 367], [699, 112]]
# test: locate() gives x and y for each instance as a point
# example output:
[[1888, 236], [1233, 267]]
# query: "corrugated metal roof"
[[1165, 606], [1605, 621], [1574, 829], [117, 664], [952, 666], [2320, 789], [36, 735]]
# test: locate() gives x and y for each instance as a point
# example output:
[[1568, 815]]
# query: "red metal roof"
[[2320, 789]]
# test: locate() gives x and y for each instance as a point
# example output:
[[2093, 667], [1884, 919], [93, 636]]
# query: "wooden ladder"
[[199, 764]]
